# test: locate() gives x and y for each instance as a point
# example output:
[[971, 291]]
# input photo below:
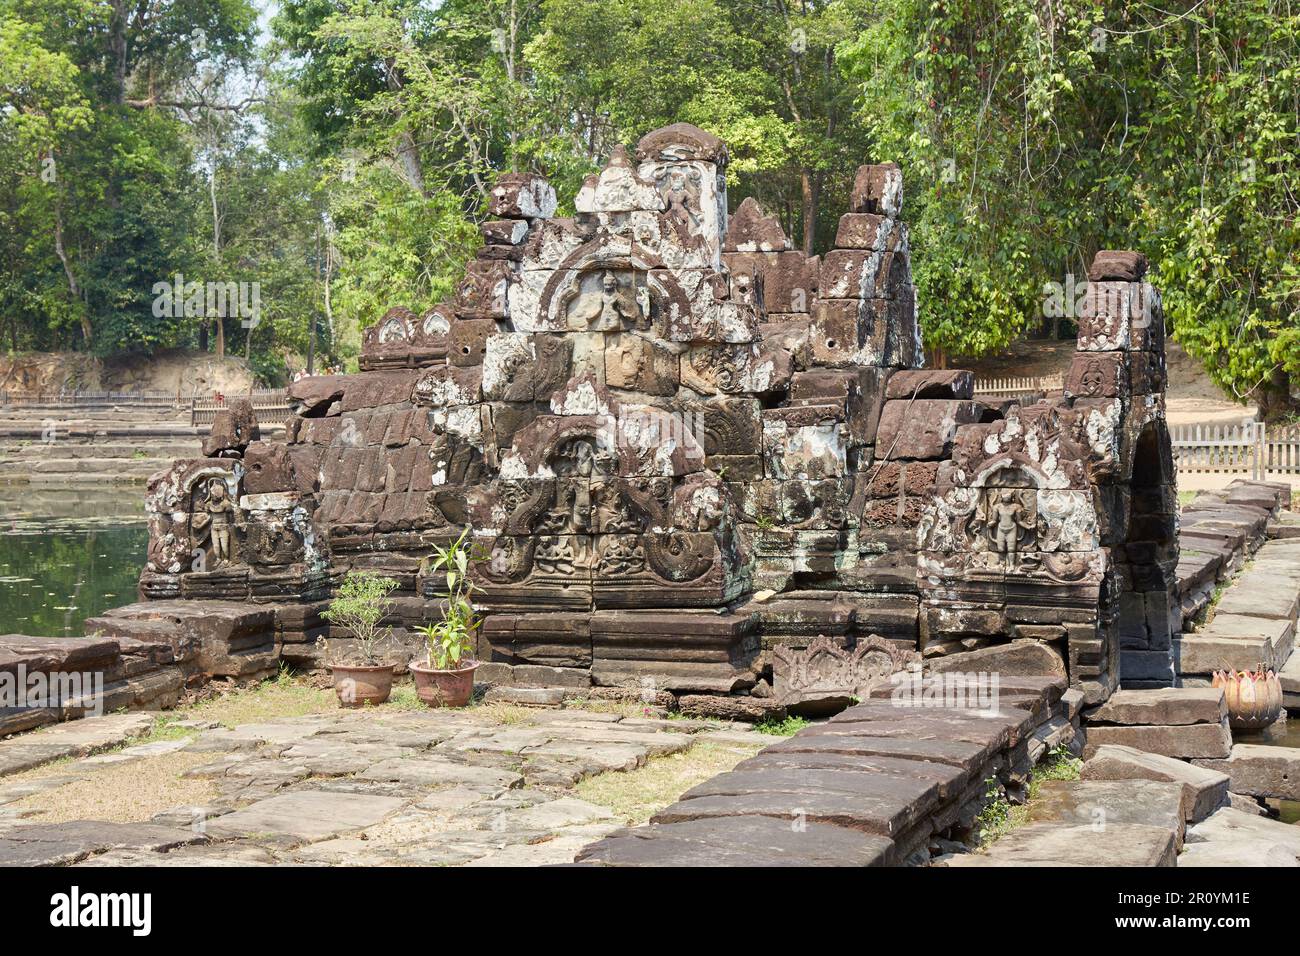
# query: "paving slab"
[[1258, 593], [1231, 826], [1204, 791], [1235, 641], [76, 738], [1241, 852], [891, 808], [431, 771], [219, 854], [51, 844], [1259, 770], [307, 815], [1185, 741], [950, 781], [956, 753], [1105, 803], [740, 841], [1168, 706], [1050, 844]]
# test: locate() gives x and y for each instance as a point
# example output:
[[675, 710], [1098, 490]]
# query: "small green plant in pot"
[[446, 679], [361, 678]]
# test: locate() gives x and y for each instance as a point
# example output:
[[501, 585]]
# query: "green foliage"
[[1030, 138], [450, 642], [997, 815], [360, 604], [354, 179], [785, 727]]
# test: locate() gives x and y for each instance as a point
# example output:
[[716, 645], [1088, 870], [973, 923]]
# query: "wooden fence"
[[74, 399], [1012, 385], [1251, 448], [271, 405]]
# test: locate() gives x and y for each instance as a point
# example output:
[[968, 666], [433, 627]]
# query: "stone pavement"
[[877, 785], [402, 787]]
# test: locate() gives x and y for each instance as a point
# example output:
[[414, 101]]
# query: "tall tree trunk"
[[811, 186], [408, 153], [86, 330], [117, 43]]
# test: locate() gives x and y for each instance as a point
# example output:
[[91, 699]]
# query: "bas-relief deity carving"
[[613, 305], [1007, 522], [213, 524]]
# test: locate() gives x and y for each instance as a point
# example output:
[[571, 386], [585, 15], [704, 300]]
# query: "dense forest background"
[[338, 152]]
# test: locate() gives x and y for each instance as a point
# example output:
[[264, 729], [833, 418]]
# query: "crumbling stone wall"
[[682, 443]]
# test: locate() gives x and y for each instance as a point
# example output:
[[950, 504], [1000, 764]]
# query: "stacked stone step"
[[1254, 621], [58, 442], [1223, 829], [879, 784], [1183, 722], [205, 640], [101, 674]]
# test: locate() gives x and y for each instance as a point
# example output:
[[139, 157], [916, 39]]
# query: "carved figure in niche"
[[1008, 524], [682, 195], [575, 458], [215, 522], [394, 329], [623, 555], [1092, 378], [555, 555], [609, 308]]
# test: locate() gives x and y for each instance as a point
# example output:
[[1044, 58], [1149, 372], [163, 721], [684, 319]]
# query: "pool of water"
[[1283, 733], [67, 554]]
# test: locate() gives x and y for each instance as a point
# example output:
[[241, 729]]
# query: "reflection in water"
[[67, 554]]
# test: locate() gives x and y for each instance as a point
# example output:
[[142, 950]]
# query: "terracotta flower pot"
[[361, 684], [444, 688], [1254, 698]]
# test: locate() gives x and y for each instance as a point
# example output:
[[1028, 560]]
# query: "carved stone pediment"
[[825, 676]]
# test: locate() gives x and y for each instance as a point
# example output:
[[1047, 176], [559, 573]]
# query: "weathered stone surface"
[[1205, 791], [1168, 706], [1235, 641], [878, 190], [1233, 828], [306, 815], [1049, 844], [1242, 851], [740, 841], [1017, 659], [931, 383], [1111, 264], [730, 707], [1260, 770], [64, 843], [1105, 803], [752, 230], [884, 807], [924, 428], [233, 427], [1185, 741]]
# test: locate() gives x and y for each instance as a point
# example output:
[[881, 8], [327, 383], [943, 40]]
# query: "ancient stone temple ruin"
[[698, 462]]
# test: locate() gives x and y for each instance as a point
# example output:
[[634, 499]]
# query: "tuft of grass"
[[1000, 816], [635, 796], [785, 727]]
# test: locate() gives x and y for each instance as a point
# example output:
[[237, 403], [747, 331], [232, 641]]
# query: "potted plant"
[[447, 677], [359, 605]]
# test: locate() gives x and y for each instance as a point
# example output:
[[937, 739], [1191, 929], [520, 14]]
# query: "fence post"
[[1261, 444]]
